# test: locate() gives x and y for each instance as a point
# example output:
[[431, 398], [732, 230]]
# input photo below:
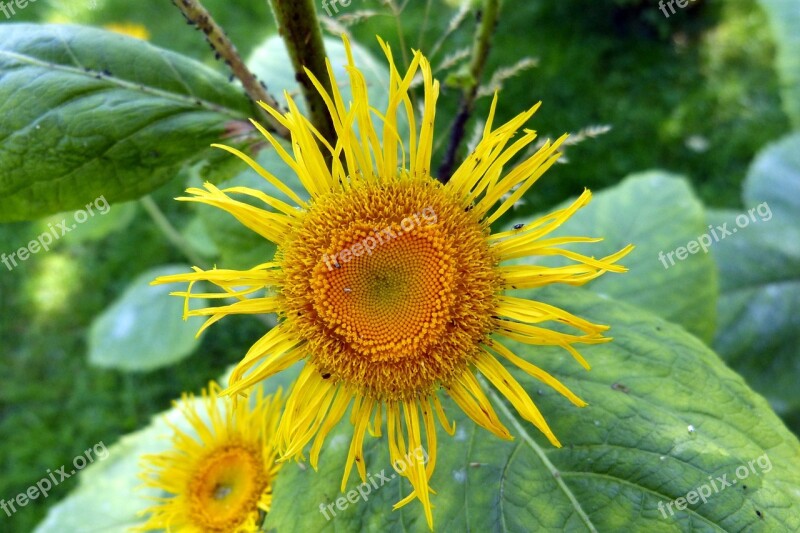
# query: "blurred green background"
[[695, 94]]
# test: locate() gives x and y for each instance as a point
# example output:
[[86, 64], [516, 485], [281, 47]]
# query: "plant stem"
[[198, 15], [480, 52], [169, 231], [300, 29]]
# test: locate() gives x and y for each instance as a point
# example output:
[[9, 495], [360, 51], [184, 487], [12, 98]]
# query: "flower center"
[[392, 285], [387, 303], [227, 487]]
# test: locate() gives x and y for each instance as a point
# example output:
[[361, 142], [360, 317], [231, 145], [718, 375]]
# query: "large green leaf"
[[90, 113], [658, 213], [143, 329], [784, 17], [666, 416], [759, 306]]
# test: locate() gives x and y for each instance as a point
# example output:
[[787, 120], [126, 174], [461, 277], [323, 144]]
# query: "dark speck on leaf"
[[518, 226], [620, 387]]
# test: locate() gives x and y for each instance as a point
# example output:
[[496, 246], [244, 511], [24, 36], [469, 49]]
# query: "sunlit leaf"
[[143, 329]]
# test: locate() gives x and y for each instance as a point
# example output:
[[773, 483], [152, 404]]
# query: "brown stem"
[[480, 52], [198, 15]]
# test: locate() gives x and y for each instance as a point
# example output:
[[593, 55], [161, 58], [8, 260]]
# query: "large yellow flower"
[[220, 477], [388, 284]]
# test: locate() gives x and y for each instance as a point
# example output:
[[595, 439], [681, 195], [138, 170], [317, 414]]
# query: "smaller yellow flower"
[[130, 29], [218, 479]]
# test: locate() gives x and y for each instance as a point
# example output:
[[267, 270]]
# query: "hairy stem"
[[480, 52], [299, 27], [198, 15]]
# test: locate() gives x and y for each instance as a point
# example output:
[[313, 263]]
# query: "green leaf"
[[658, 213], [784, 17], [625, 453], [88, 112], [143, 329], [759, 306], [198, 238], [774, 178]]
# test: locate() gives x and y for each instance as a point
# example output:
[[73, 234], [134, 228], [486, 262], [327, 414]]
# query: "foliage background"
[[697, 95]]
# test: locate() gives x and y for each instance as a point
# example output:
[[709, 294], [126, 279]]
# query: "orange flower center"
[[226, 488], [392, 285]]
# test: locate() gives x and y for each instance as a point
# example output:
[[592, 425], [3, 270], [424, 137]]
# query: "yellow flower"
[[218, 478], [388, 284], [129, 28]]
